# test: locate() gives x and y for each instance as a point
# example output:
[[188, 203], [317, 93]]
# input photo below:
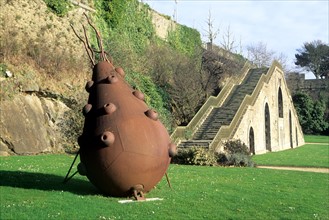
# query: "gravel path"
[[305, 169], [317, 143]]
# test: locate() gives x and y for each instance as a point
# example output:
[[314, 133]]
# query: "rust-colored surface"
[[124, 149]]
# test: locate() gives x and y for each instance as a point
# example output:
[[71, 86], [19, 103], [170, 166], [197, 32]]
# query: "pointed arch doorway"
[[290, 130], [251, 141], [267, 128]]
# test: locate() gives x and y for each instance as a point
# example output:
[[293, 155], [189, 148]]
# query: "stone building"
[[255, 107]]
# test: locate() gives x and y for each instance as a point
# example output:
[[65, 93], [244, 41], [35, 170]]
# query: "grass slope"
[[316, 139], [31, 188], [309, 155]]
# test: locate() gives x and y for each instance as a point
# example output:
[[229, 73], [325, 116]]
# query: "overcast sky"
[[282, 25]]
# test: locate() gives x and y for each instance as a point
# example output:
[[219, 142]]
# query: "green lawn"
[[309, 155], [31, 188], [316, 139]]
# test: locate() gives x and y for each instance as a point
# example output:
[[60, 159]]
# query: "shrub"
[[236, 154], [183, 156], [203, 157], [236, 159], [59, 7], [9, 42], [3, 69], [236, 146], [195, 156], [72, 124]]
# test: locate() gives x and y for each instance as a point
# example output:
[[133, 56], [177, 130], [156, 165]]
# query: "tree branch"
[[85, 44]]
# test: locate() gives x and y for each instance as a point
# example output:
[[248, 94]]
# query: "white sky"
[[282, 25]]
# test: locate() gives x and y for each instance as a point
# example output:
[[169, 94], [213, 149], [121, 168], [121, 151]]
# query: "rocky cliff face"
[[33, 121], [31, 124]]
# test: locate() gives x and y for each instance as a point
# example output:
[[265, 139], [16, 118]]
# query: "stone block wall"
[[314, 87]]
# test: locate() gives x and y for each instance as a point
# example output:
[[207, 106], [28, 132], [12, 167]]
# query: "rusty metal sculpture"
[[124, 148]]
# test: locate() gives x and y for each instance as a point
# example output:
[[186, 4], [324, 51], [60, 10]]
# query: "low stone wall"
[[314, 87]]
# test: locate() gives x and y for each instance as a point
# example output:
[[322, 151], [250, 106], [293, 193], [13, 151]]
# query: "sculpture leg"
[[168, 181], [67, 178], [138, 192]]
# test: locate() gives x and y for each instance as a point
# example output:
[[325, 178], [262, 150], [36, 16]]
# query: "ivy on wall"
[[185, 40], [155, 97], [129, 18]]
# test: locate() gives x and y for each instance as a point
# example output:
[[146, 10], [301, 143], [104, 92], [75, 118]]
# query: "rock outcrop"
[[30, 125]]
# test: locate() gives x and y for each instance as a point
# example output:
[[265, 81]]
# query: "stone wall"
[[314, 87], [162, 24]]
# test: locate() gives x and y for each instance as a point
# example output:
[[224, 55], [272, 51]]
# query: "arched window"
[[280, 103]]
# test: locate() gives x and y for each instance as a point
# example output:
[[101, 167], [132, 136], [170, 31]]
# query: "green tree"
[[314, 57], [319, 124], [311, 114]]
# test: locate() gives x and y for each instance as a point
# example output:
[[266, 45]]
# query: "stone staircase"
[[223, 115]]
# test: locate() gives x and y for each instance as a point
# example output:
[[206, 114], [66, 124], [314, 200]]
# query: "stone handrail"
[[227, 131], [183, 132]]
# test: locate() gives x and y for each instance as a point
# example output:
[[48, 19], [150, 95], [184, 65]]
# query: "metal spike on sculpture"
[[124, 149]]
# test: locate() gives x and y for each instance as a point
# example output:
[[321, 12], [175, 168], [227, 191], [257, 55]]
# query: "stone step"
[[195, 143]]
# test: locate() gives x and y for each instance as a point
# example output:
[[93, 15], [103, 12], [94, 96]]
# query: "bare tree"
[[211, 72], [283, 60], [175, 12], [240, 46], [185, 91], [211, 34], [161, 61], [228, 40], [259, 55]]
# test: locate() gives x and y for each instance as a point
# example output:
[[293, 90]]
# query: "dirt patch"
[[305, 169], [317, 143]]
